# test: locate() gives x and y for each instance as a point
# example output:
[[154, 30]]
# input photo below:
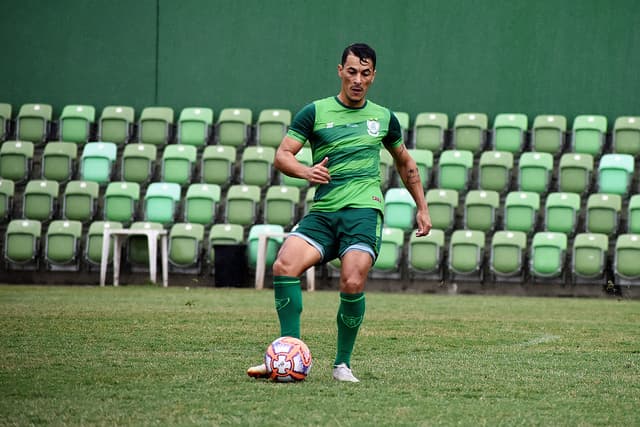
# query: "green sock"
[[288, 298], [350, 315]]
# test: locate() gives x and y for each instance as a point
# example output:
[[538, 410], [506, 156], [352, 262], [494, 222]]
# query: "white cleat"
[[258, 371], [342, 372]]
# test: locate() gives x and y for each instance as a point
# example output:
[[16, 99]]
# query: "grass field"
[[150, 356]]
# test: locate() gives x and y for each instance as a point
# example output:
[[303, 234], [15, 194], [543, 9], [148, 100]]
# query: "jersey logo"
[[329, 125], [373, 127]]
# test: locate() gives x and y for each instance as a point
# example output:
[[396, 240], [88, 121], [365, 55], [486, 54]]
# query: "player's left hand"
[[423, 219]]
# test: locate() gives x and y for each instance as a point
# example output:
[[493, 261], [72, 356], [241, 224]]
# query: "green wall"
[[546, 56]]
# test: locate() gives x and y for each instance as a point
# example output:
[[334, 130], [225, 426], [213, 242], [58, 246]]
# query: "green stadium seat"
[[548, 133], [116, 124], [534, 172], [271, 127], [509, 132], [40, 200], [548, 255], [454, 170], [5, 120], [575, 173], [403, 119], [508, 250], [34, 123], [469, 132], [588, 134], [97, 161], [7, 191], [161, 201], [59, 161], [62, 245], [429, 131], [304, 156], [80, 201], [626, 267], [521, 211], [93, 242], [561, 213], [466, 254], [138, 163], [242, 204], [603, 213], [386, 168], [194, 126], [156, 125], [281, 205], [137, 249], [186, 248], [121, 202], [200, 203], [22, 244], [76, 123], [273, 243], [589, 257], [480, 208], [218, 164], [223, 234], [443, 204], [390, 255], [178, 161], [425, 254], [15, 160], [615, 172], [633, 214], [494, 171], [399, 209], [257, 165], [234, 126], [626, 136]]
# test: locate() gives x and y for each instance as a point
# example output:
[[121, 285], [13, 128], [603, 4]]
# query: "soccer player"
[[346, 133]]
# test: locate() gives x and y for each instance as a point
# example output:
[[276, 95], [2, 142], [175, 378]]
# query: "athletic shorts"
[[335, 233]]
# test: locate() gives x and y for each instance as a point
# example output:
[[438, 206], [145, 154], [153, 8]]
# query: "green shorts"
[[335, 233]]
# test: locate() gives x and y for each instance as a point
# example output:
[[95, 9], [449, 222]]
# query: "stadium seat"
[[178, 162], [22, 244], [281, 205], [200, 203], [304, 156], [137, 249], [509, 132], [223, 234], [480, 208], [138, 163], [626, 136], [575, 173], [399, 209], [40, 200], [454, 170], [633, 214], [80, 201], [561, 213], [429, 132], [403, 119], [93, 242], [588, 134], [548, 254], [218, 164], [7, 191], [156, 125], [507, 257], [62, 245], [121, 202], [424, 161], [15, 160], [242, 204], [34, 123], [271, 127], [548, 134], [59, 161], [186, 248], [234, 126], [494, 171], [5, 120], [116, 124], [161, 202], [76, 123], [273, 243], [97, 161], [534, 172], [626, 267], [194, 126], [386, 168], [257, 165], [389, 257], [466, 254], [603, 213], [521, 211], [615, 172], [589, 257], [443, 205], [425, 254], [469, 132]]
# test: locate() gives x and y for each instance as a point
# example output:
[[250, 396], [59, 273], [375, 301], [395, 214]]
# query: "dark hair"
[[362, 51]]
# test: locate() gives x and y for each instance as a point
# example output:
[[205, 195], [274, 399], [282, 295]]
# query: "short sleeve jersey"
[[352, 139]]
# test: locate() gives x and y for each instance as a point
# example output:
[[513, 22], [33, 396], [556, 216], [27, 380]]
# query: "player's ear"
[[339, 69]]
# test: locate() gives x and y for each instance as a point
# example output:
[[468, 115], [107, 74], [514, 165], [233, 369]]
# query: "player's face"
[[356, 75]]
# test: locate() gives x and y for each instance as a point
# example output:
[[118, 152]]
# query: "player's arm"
[[286, 162]]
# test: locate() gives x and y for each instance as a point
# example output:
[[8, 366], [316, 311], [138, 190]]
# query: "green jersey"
[[352, 139]]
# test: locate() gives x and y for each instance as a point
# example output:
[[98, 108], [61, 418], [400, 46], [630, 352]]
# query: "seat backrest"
[[454, 169], [121, 201], [194, 126], [241, 204], [443, 204], [469, 132], [76, 123], [561, 212], [304, 156], [177, 163], [223, 234], [507, 252], [602, 213], [548, 133], [633, 215], [160, 202], [281, 204], [575, 172], [627, 254], [97, 161], [185, 244], [390, 250], [58, 160], [7, 190], [429, 131], [5, 119], [155, 125], [589, 257], [626, 135], [614, 173], [40, 200], [425, 252], [257, 165], [116, 124], [548, 252], [480, 209], [62, 241], [273, 242], [33, 122], [79, 200], [399, 209], [272, 125], [509, 132], [15, 160], [521, 211], [200, 203], [22, 241], [233, 126], [534, 172], [495, 171], [218, 164], [93, 243], [588, 134], [466, 251], [138, 162]]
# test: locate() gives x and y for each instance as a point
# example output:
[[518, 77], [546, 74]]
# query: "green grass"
[[151, 356]]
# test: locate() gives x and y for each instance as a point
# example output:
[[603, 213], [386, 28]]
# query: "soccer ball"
[[288, 359]]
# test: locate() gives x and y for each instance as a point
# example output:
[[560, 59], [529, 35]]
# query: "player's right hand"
[[319, 173]]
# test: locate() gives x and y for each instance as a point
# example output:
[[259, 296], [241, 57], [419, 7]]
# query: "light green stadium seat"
[[178, 161], [121, 202], [281, 205], [186, 247], [548, 254], [603, 213], [33, 123], [509, 131], [161, 201], [156, 126], [40, 200], [625, 264], [62, 245], [548, 133], [218, 164], [116, 124], [7, 191], [234, 126], [15, 160], [575, 171], [507, 257], [137, 248], [76, 123], [80, 201], [242, 204], [257, 165], [194, 126], [403, 119], [589, 257], [390, 254], [534, 172], [200, 203], [469, 132], [96, 163], [454, 170], [626, 136], [271, 127], [22, 244], [425, 253], [138, 163], [443, 204], [633, 214], [521, 211], [93, 242], [273, 243], [429, 131], [424, 161], [304, 156], [5, 120], [59, 160], [223, 234], [399, 209], [480, 208], [561, 212], [466, 253], [494, 171], [615, 172], [588, 134], [386, 168]]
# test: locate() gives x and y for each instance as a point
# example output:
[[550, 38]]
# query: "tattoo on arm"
[[413, 176]]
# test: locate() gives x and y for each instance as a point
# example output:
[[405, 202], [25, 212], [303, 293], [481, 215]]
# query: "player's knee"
[[352, 283], [283, 268]]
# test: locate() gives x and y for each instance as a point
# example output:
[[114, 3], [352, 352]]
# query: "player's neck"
[[344, 100]]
